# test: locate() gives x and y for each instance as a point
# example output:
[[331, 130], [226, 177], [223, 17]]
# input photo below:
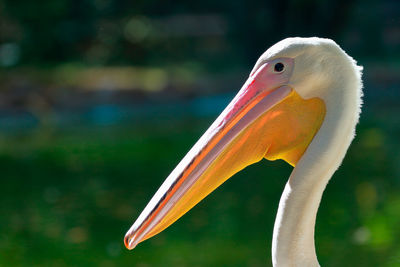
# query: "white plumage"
[[322, 70]]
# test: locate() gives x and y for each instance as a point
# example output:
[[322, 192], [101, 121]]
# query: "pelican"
[[301, 103]]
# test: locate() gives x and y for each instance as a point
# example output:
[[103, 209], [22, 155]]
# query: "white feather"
[[324, 70]]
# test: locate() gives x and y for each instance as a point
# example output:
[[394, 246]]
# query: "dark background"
[[100, 99]]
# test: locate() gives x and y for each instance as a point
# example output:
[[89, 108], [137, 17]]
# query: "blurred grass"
[[69, 195]]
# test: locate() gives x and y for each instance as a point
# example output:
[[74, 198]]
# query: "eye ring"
[[279, 67]]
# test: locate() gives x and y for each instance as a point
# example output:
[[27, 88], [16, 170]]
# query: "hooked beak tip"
[[130, 242]]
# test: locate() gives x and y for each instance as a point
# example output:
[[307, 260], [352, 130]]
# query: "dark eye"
[[279, 67]]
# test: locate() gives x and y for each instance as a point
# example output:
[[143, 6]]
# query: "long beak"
[[245, 132]]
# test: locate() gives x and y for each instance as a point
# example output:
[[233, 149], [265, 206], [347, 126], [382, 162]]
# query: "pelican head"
[[300, 103]]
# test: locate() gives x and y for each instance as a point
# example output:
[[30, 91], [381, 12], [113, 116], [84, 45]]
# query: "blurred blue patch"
[[209, 106], [105, 115], [11, 121]]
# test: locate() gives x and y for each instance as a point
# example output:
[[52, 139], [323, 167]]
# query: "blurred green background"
[[100, 99]]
